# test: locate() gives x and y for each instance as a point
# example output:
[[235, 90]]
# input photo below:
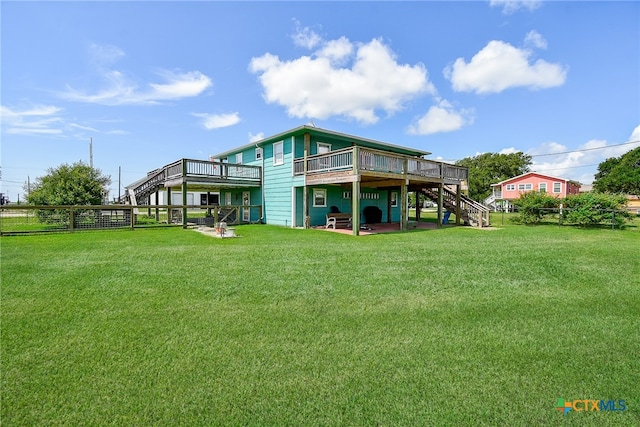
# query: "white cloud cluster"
[[341, 79], [441, 118], [217, 121], [37, 120], [500, 66], [305, 37], [121, 91], [511, 6]]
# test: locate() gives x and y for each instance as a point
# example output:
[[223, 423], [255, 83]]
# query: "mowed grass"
[[455, 326]]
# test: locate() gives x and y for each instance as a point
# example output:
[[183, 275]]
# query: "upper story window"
[[525, 187], [278, 153], [258, 153], [239, 158], [323, 148], [542, 187], [510, 187], [557, 187]]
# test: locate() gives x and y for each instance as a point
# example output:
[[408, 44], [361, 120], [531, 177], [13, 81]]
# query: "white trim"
[[554, 188], [322, 191], [323, 144], [276, 161], [293, 208]]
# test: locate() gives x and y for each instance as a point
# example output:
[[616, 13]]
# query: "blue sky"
[[153, 82]]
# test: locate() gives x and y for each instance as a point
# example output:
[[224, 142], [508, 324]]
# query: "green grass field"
[[455, 326]]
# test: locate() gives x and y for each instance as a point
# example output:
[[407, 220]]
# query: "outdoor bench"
[[335, 219]]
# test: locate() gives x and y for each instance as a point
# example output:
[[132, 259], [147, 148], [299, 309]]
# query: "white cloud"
[[509, 150], [314, 87], [635, 135], [102, 55], [38, 120], [257, 137], [121, 91], [217, 121], [441, 118], [535, 39], [511, 6], [305, 37], [500, 66], [336, 50]]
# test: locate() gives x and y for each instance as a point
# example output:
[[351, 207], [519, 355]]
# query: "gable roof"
[[555, 178], [330, 135]]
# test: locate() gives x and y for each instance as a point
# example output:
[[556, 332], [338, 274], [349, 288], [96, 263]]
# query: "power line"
[[585, 149], [568, 167]]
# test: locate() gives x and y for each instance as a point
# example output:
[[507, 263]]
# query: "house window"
[[258, 153], [525, 187], [542, 187], [323, 148], [278, 153], [227, 199], [511, 187], [557, 187], [319, 198], [394, 199], [239, 158]]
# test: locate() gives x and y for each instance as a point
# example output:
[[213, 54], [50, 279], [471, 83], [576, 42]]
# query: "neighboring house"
[[506, 191], [296, 177]]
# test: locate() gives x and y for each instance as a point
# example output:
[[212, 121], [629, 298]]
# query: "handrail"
[[378, 161]]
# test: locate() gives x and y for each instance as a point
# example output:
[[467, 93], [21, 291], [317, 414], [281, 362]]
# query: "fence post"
[[133, 217], [613, 219], [71, 219]]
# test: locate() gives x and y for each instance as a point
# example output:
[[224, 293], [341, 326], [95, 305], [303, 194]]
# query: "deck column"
[[305, 189], [440, 201], [355, 207], [418, 206], [403, 206], [168, 203], [157, 203], [184, 204], [458, 207]]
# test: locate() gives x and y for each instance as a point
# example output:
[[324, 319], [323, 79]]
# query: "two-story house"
[[296, 177], [506, 191]]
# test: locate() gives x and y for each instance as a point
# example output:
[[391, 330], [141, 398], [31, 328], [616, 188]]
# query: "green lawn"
[[455, 326]]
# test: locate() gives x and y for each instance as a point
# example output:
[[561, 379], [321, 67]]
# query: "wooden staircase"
[[472, 213], [138, 193]]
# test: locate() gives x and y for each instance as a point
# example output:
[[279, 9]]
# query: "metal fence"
[[572, 216], [20, 219]]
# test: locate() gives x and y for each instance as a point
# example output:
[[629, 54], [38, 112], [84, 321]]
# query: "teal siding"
[[278, 183]]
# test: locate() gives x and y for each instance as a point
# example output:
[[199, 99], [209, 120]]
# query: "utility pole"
[[119, 179]]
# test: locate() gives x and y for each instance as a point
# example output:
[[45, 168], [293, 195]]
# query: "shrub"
[[595, 208], [531, 207]]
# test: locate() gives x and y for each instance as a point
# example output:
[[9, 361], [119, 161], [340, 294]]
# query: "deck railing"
[[378, 161]]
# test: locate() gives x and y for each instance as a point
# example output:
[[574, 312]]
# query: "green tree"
[[77, 184], [619, 174], [491, 168]]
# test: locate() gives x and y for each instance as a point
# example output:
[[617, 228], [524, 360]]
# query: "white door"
[[246, 201]]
